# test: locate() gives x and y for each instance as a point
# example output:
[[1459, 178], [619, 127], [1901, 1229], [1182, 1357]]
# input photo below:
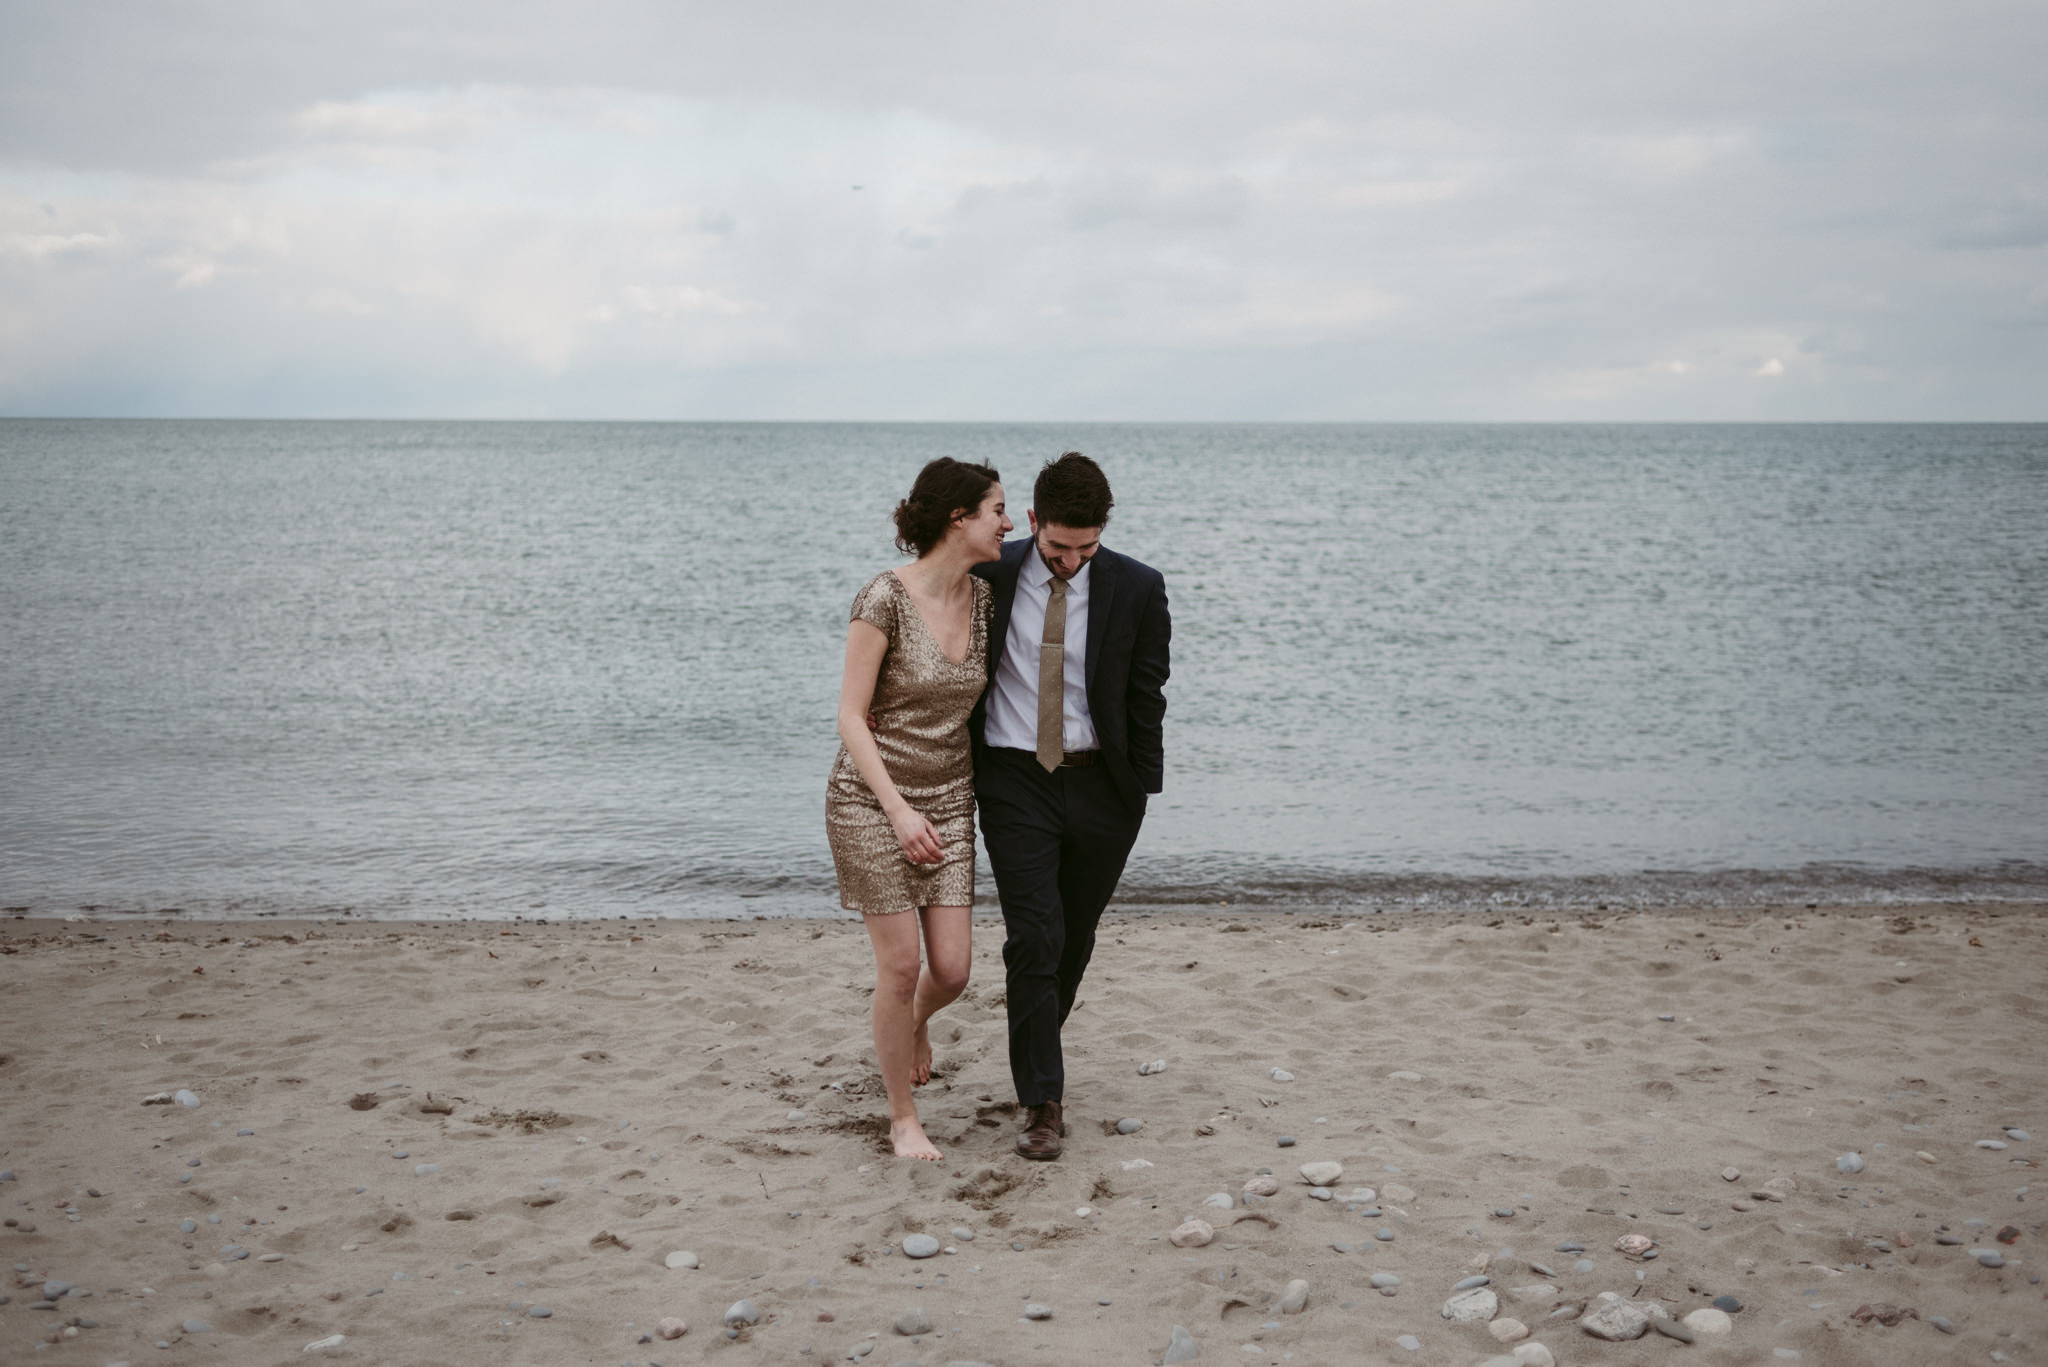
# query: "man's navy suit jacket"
[[1128, 632]]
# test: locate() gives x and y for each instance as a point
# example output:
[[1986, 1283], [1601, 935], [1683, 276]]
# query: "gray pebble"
[[1286, 1141], [1676, 1329], [743, 1312], [1129, 1125], [1181, 1347], [191, 1162], [424, 1170], [1320, 1194], [1976, 1224], [1569, 1248], [920, 1245], [913, 1321], [1850, 1162], [188, 1226], [184, 1097], [92, 1191], [1410, 1342], [1152, 1069], [1991, 1143], [1943, 1323], [55, 1291], [1583, 1265], [196, 1327], [539, 1312], [1671, 1210], [1035, 1311], [795, 1116], [1281, 1075], [1385, 1236], [6, 1174], [213, 1219], [1947, 1240], [2016, 1134], [244, 1134], [1988, 1257], [1384, 1281], [184, 1178], [963, 1234], [1542, 1270], [1503, 1213], [1470, 1282], [1727, 1304]]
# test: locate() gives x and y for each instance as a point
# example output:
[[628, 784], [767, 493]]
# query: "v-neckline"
[[925, 626]]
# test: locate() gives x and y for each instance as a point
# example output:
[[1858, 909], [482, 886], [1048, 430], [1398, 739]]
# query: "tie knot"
[[1057, 585]]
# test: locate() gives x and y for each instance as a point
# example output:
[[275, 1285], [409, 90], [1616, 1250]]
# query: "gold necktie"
[[1052, 678]]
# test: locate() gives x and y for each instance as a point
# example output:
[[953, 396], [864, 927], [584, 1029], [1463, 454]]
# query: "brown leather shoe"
[[1043, 1129]]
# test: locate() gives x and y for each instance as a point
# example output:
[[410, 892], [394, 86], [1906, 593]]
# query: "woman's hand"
[[918, 837]]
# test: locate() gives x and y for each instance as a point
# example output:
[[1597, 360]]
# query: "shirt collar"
[[1035, 575]]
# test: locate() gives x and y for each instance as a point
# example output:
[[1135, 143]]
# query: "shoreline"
[[450, 1118]]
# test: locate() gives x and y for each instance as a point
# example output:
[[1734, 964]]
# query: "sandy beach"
[[482, 1143]]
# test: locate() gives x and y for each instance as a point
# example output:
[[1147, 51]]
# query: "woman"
[[899, 807]]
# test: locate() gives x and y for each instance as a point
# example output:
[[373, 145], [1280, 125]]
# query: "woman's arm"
[[866, 644]]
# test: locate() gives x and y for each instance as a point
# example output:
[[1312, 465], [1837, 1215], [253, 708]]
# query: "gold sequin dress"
[[921, 704]]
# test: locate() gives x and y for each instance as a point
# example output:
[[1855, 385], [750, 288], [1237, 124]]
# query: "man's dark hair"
[[1072, 492]]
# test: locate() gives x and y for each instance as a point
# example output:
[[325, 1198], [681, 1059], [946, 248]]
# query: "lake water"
[[576, 670]]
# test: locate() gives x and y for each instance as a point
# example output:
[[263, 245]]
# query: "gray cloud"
[[1145, 210]]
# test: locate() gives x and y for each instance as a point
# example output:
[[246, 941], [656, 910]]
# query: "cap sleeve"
[[876, 603]]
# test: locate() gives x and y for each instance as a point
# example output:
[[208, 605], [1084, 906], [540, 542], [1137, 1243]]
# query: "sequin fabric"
[[922, 700]]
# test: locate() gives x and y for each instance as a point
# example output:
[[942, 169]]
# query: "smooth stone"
[[1673, 1329], [682, 1257], [1035, 1311], [1152, 1069], [1129, 1125], [184, 1097], [913, 1321], [1534, 1355], [1503, 1213], [1384, 1281], [1988, 1257], [1286, 1141], [1667, 1018], [1727, 1304], [1537, 1293], [188, 1226], [321, 1345], [1410, 1342], [1385, 1236], [1991, 1143], [1671, 1210], [1470, 1282], [1850, 1162], [1614, 1319], [2016, 1134], [920, 1246], [1181, 1347], [1294, 1299], [1731, 1174], [672, 1327], [1281, 1075], [1404, 1075], [963, 1234], [1192, 1234], [1261, 1186], [424, 1170], [539, 1312], [1947, 1240], [1319, 1193], [1924, 1156], [1710, 1321], [1943, 1323], [742, 1312], [1219, 1200], [794, 1116], [54, 1291], [244, 1134], [1542, 1270], [1321, 1174], [1569, 1248], [1397, 1193], [1476, 1306], [1508, 1330], [196, 1326], [1584, 1265]]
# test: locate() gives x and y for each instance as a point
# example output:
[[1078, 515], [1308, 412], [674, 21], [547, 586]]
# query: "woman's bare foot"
[[921, 1057], [908, 1138]]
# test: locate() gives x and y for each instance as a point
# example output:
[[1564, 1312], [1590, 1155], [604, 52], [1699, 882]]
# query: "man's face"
[[1064, 549]]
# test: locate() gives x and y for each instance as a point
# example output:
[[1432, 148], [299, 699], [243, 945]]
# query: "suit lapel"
[[1102, 583], [1004, 581]]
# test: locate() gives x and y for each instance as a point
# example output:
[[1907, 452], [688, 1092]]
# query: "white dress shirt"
[[1013, 701]]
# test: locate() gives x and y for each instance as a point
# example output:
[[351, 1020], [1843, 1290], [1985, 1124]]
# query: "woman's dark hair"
[[945, 489], [1072, 492]]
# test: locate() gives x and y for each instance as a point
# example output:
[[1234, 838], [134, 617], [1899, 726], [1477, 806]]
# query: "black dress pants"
[[1057, 843]]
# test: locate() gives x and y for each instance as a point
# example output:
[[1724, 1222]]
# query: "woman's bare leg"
[[897, 955], [948, 954]]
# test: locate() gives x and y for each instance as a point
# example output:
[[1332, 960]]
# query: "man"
[[1067, 743]]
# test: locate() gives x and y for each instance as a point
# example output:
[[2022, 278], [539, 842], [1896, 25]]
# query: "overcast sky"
[[1114, 209]]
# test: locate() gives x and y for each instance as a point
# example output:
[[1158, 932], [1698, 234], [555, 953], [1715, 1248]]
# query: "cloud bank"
[[1151, 211]]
